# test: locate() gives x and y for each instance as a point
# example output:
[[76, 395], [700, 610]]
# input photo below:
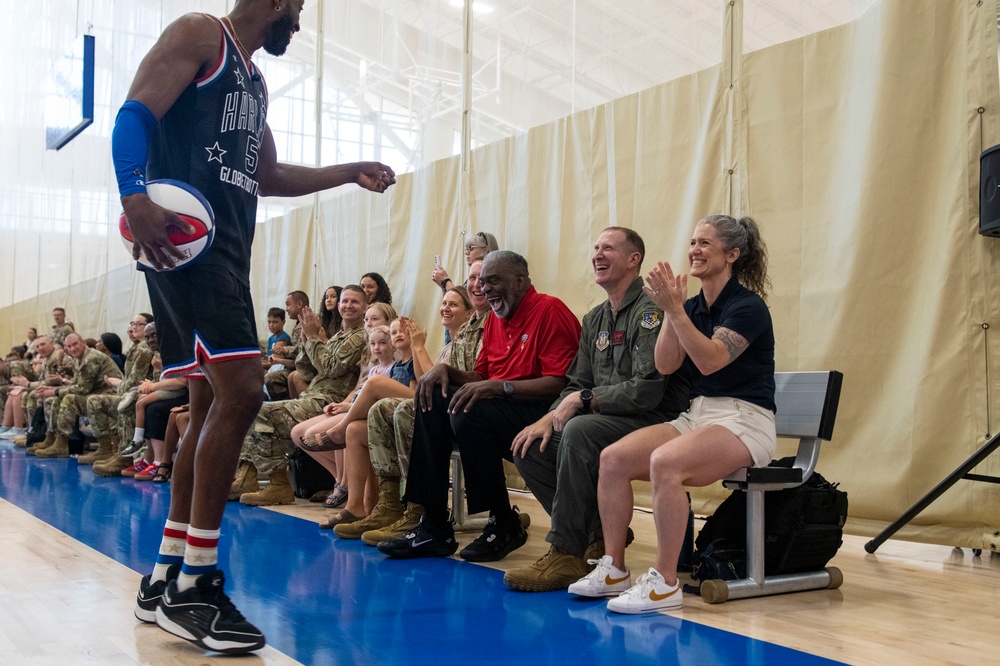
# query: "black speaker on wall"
[[989, 194]]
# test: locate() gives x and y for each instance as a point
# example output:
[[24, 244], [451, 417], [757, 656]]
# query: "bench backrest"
[[807, 409], [807, 403]]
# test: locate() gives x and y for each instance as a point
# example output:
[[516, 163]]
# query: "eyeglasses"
[[471, 243]]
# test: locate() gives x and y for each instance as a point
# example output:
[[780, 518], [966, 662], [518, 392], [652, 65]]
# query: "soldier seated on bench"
[[614, 389], [725, 338]]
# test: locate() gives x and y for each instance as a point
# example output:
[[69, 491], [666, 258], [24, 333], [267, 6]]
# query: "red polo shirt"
[[540, 340]]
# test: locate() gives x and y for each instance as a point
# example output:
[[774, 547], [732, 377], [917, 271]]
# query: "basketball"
[[191, 206]]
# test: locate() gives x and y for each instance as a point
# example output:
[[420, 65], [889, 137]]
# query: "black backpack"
[[37, 428], [720, 560], [307, 476], [803, 528]]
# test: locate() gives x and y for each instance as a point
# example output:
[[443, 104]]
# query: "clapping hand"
[[310, 322], [417, 335], [665, 290]]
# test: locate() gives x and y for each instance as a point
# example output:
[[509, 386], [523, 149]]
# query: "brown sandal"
[[321, 442], [343, 518]]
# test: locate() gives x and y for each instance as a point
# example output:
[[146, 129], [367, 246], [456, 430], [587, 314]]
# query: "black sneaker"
[[150, 594], [205, 616], [496, 542], [424, 541]]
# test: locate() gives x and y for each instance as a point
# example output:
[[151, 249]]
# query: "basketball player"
[[196, 112]]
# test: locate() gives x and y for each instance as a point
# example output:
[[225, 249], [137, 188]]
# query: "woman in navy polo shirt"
[[723, 339]]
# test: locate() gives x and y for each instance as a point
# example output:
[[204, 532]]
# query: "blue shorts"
[[204, 314]]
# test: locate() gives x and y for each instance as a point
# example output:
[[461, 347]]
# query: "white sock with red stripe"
[[171, 549], [200, 556]]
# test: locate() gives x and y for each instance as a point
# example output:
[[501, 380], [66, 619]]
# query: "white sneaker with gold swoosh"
[[604, 581], [650, 593]]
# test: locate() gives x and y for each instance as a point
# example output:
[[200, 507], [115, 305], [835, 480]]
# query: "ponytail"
[[750, 268]]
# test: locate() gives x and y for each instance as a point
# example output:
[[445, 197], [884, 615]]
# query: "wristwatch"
[[508, 389], [586, 395]]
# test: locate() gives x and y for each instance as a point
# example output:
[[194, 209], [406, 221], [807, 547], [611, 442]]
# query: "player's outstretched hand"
[[375, 176]]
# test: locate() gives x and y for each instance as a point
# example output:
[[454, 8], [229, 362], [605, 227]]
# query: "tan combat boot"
[[59, 448], [245, 482], [114, 464], [387, 511], [105, 449], [50, 439], [556, 570], [279, 491], [407, 523]]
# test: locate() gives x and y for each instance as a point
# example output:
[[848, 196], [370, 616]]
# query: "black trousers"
[[483, 436], [158, 413]]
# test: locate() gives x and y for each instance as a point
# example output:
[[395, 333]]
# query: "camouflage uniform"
[[58, 363], [276, 383], [7, 372], [304, 364], [70, 401], [21, 369], [270, 436], [390, 420], [102, 410], [59, 333], [390, 431], [466, 345]]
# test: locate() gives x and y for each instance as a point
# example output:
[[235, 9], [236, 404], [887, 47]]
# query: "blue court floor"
[[321, 600]]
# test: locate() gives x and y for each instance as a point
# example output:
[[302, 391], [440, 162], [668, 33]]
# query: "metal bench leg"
[[756, 584], [463, 523]]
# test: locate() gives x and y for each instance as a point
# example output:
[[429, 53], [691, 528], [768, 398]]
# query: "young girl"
[[351, 432], [303, 434], [399, 382]]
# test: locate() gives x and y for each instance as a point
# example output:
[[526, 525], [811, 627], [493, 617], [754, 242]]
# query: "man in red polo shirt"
[[527, 347]]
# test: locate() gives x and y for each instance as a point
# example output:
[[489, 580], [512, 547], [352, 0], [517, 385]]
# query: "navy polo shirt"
[[751, 376]]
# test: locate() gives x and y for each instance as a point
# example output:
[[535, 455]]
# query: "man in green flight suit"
[[613, 389]]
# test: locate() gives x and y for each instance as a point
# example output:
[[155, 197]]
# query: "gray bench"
[[807, 409]]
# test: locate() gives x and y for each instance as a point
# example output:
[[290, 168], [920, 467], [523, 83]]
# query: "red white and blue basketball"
[[191, 206]]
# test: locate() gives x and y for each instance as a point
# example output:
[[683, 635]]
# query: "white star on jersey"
[[215, 152], [239, 79]]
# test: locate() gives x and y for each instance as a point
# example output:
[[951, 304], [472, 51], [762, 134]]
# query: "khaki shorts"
[[754, 425]]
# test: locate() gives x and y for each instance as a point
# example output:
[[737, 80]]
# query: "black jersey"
[[210, 138]]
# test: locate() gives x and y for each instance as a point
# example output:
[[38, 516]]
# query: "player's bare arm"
[[292, 180], [185, 50]]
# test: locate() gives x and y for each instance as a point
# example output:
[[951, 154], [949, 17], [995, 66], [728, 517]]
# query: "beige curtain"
[[857, 151]]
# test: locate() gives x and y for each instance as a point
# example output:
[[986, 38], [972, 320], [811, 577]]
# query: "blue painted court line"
[[323, 600]]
